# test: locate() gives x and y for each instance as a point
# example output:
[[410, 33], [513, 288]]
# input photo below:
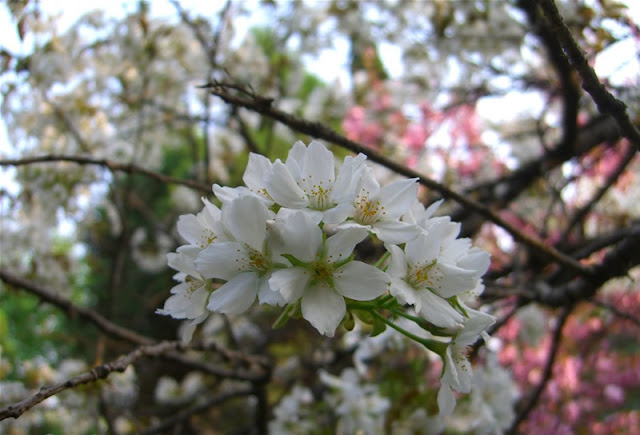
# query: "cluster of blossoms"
[[288, 239]]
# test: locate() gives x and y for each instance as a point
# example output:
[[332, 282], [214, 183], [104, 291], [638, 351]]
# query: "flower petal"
[[360, 281], [398, 197], [340, 245], [256, 172], [446, 400], [317, 168], [266, 295], [290, 282], [246, 219], [236, 296], [283, 188], [423, 249], [186, 302], [394, 231], [398, 263], [222, 260], [447, 280], [405, 293], [349, 176], [298, 235], [323, 308], [438, 311]]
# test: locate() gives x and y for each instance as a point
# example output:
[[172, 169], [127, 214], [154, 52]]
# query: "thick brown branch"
[[99, 372], [112, 166], [605, 101], [616, 263], [265, 107]]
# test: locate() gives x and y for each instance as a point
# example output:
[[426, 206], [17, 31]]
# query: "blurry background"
[[473, 94]]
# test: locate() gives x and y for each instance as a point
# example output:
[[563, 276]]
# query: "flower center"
[[367, 211], [257, 260], [422, 275], [207, 237], [322, 271], [318, 194]]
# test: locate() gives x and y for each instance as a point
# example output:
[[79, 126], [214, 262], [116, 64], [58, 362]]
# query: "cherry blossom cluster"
[[288, 239]]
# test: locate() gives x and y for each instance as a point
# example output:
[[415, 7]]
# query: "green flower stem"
[[383, 302], [434, 346], [380, 262], [415, 319]]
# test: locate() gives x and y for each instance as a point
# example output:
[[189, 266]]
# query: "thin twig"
[[99, 372], [605, 101], [129, 168], [616, 311]]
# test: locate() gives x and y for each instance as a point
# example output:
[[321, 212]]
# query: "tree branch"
[[129, 168], [258, 371], [605, 101], [75, 311], [99, 372]]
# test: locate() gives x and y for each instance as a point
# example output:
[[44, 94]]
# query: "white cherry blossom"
[[204, 228], [244, 261], [189, 297], [457, 373], [378, 209], [308, 181], [322, 274]]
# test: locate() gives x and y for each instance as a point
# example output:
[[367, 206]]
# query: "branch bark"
[[129, 168]]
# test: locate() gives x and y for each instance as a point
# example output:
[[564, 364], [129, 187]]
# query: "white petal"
[[258, 167], [447, 280], [222, 260], [323, 308], [446, 400], [318, 168], [395, 231], [423, 249], [338, 214], [226, 194], [477, 260], [340, 245], [185, 302], [299, 236], [398, 197], [398, 263], [295, 159], [190, 229], [210, 216], [344, 188], [360, 281], [188, 329], [405, 293], [268, 296], [283, 188], [438, 311], [182, 263], [246, 219], [290, 282], [236, 296]]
